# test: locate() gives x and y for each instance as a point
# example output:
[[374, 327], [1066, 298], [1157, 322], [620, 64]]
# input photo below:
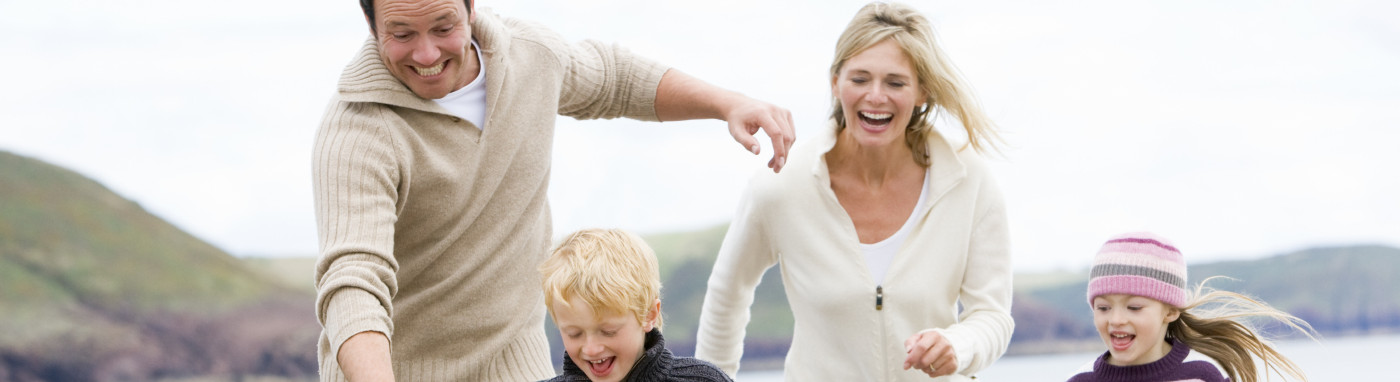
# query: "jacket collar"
[[946, 170], [367, 79]]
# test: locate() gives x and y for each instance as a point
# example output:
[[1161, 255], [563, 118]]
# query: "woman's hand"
[[930, 353]]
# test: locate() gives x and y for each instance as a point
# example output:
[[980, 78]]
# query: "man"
[[431, 167]]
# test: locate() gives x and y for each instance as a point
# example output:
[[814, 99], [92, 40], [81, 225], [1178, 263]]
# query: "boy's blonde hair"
[[611, 270]]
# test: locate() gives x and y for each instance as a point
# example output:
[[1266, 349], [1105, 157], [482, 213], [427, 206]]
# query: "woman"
[[882, 228]]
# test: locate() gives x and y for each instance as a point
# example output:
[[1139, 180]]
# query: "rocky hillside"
[[94, 287]]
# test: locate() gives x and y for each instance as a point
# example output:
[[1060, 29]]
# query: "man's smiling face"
[[425, 44]]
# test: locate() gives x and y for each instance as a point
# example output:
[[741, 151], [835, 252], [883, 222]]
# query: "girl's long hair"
[[1218, 324]]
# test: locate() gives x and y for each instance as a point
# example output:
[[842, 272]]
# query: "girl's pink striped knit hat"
[[1139, 264]]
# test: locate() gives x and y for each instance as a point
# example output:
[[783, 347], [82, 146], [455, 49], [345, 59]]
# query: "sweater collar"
[[655, 360], [1149, 371], [946, 171], [366, 79]]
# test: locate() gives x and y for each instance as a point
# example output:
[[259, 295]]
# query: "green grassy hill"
[[94, 287], [1338, 290]]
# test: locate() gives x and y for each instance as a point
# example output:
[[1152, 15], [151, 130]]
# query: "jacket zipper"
[[879, 297], [879, 318]]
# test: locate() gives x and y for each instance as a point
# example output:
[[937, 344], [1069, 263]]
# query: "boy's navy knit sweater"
[[656, 364]]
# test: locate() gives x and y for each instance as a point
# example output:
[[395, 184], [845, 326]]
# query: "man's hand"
[[748, 117], [365, 357], [682, 97], [930, 353]]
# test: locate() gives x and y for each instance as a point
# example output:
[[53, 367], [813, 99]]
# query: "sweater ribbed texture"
[[431, 229], [1139, 264], [1170, 368]]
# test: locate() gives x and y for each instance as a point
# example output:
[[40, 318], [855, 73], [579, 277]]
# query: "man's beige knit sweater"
[[430, 228]]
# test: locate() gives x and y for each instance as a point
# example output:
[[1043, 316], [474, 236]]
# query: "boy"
[[603, 289]]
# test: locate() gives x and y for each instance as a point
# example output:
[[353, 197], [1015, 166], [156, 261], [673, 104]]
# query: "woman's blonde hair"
[[939, 81], [611, 270], [1218, 324]]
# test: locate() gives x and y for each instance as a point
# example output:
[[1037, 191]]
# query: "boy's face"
[[1133, 327], [605, 345]]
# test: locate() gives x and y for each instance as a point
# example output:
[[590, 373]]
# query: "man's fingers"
[[739, 131], [776, 122], [780, 132], [788, 134], [791, 127], [776, 133]]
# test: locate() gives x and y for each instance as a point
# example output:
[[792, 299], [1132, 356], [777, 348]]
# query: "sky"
[[1237, 129]]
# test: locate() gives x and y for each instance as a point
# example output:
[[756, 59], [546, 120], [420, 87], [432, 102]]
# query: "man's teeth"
[[433, 71], [876, 116]]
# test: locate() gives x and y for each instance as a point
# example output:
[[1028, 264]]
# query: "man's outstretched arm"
[[680, 97]]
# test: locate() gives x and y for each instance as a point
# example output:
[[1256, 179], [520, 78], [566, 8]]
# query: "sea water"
[[1367, 358]]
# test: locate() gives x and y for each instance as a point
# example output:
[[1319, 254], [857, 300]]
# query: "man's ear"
[[471, 12]]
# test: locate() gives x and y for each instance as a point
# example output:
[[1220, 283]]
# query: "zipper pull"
[[879, 297]]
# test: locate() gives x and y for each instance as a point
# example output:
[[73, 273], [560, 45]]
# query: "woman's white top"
[[879, 255]]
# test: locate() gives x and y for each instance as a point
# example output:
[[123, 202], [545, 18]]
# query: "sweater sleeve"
[[354, 178], [608, 81], [743, 258], [984, 327]]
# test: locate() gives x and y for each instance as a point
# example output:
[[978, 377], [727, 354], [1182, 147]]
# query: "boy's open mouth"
[[602, 367]]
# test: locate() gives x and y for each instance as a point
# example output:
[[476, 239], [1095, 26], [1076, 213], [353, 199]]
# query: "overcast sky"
[[1236, 128]]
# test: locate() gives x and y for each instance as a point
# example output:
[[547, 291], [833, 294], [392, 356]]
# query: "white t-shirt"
[[879, 256], [469, 102]]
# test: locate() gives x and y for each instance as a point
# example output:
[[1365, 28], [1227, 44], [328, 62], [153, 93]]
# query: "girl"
[[1144, 315]]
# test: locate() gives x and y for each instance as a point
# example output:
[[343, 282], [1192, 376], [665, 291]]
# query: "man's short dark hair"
[[368, 7]]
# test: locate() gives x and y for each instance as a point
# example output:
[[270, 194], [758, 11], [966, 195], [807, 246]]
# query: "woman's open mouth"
[[876, 119]]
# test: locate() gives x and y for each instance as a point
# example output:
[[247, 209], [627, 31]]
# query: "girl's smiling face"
[[1133, 327]]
